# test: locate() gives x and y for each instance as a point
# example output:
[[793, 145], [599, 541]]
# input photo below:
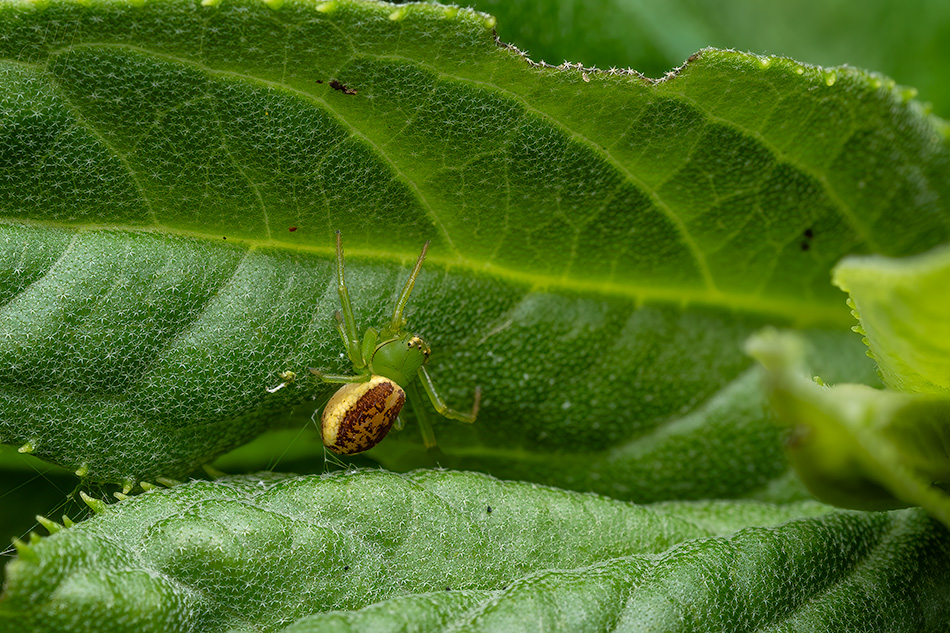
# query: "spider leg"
[[398, 320], [443, 408], [345, 322], [340, 379], [422, 417]]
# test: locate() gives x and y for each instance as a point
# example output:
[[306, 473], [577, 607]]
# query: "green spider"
[[386, 362]]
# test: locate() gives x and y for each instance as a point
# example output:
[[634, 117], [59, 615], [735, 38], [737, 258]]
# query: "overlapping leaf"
[[867, 448], [174, 173], [437, 551], [904, 312]]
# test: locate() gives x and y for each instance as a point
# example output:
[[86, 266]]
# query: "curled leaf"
[[856, 446]]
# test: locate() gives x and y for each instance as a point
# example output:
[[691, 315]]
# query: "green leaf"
[[855, 446], [467, 551], [859, 447], [601, 244], [906, 40], [904, 310], [29, 487]]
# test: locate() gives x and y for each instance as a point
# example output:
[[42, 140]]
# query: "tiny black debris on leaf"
[[807, 234], [336, 85]]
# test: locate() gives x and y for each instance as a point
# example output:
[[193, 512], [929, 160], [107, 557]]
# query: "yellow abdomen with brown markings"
[[360, 414]]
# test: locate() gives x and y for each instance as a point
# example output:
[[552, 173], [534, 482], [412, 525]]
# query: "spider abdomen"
[[360, 414]]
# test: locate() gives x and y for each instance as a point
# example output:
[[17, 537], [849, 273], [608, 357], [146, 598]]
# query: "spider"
[[386, 364]]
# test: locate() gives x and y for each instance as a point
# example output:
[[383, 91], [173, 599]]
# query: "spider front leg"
[[422, 418], [352, 349]]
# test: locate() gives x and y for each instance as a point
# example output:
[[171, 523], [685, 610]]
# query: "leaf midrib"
[[710, 296], [792, 311], [696, 253]]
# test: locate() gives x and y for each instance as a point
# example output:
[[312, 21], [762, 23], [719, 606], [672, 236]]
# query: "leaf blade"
[[655, 192], [430, 530]]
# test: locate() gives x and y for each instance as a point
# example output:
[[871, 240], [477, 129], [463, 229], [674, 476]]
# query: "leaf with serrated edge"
[[903, 306], [855, 446], [601, 244], [361, 549], [656, 36]]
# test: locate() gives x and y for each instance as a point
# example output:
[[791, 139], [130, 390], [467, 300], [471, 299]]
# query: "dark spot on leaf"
[[346, 568], [807, 234], [292, 229], [336, 85], [489, 509], [448, 589], [319, 81]]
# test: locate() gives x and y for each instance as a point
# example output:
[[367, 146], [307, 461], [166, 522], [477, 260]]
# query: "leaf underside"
[[601, 244]]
